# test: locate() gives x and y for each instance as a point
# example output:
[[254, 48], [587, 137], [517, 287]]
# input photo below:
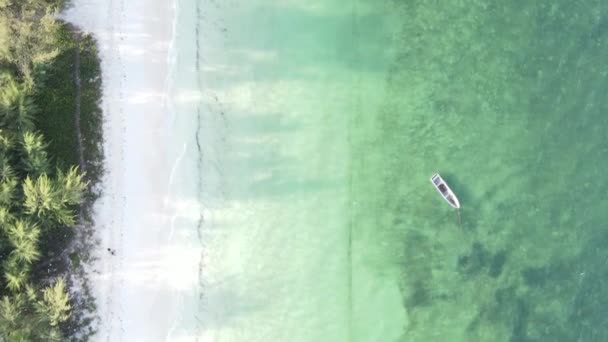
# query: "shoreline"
[[133, 41], [45, 154], [90, 157]]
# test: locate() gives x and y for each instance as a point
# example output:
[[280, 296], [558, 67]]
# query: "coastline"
[[318, 219], [130, 216], [489, 281]]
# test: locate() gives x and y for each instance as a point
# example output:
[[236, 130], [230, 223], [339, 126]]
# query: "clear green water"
[[319, 125]]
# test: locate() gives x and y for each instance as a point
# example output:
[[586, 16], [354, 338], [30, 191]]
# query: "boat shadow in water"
[[468, 203]]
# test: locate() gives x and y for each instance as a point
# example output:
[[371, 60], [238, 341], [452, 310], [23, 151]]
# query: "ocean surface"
[[307, 132]]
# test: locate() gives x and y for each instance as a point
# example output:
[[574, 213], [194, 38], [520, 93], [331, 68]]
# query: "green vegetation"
[[59, 96], [41, 188]]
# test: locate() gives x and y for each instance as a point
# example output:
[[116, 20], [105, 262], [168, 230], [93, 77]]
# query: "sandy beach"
[[130, 274], [226, 192], [267, 167]]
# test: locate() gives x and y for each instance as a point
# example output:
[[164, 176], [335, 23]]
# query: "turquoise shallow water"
[[318, 126]]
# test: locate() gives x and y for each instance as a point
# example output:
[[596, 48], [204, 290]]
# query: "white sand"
[[138, 288]]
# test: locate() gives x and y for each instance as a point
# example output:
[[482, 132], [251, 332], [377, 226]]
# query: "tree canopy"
[[37, 199]]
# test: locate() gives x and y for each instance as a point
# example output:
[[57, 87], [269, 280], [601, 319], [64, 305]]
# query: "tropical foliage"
[[37, 200]]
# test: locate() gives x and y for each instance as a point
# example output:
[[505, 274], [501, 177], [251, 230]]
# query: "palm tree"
[[15, 279], [5, 141], [51, 334], [71, 186], [24, 230], [32, 36], [21, 334], [25, 250], [6, 170], [35, 159], [55, 305], [39, 195], [11, 310], [16, 107], [16, 275], [19, 320], [44, 201], [5, 217], [33, 142], [24, 236], [7, 191]]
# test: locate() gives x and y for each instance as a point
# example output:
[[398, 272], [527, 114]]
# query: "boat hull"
[[444, 190]]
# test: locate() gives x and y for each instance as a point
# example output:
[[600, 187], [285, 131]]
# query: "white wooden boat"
[[445, 191]]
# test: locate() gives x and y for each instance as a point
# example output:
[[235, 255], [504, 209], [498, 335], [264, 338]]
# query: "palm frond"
[[25, 251], [6, 169], [16, 107], [7, 192], [15, 279], [35, 159], [44, 200], [5, 217], [56, 303], [9, 310], [6, 141], [39, 195], [71, 185]]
